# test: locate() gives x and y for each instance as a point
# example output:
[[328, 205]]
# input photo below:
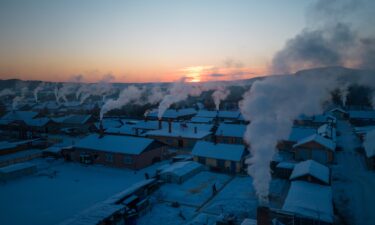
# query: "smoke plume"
[[37, 90], [6, 92], [219, 95]]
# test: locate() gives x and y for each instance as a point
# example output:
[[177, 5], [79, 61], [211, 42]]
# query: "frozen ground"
[[195, 191], [60, 190], [353, 185]]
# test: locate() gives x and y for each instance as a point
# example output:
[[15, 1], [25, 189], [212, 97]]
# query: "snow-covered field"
[[353, 185], [195, 191], [60, 190]]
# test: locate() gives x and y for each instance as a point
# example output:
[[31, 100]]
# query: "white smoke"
[[37, 90], [129, 94], [68, 88], [6, 92], [219, 95], [344, 91], [101, 88], [271, 105], [18, 99]]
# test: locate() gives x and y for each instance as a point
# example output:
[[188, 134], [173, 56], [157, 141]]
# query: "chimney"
[[160, 124], [101, 129], [263, 215], [169, 126], [195, 130]]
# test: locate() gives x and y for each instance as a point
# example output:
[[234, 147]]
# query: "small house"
[[230, 133], [181, 136], [315, 147], [117, 151], [220, 157], [179, 172], [309, 203], [311, 171]]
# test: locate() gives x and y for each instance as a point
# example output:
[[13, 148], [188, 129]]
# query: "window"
[[109, 157], [128, 160]]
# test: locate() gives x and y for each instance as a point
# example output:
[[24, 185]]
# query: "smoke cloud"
[[271, 105], [219, 95], [37, 90], [333, 37], [6, 92]]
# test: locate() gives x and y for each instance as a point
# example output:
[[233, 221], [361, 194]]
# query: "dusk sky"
[[144, 41]]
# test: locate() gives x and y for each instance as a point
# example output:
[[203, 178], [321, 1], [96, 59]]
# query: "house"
[[206, 120], [76, 124], [327, 131], [315, 121], [309, 203], [179, 172], [117, 151], [339, 113], [315, 147], [311, 171], [297, 133], [7, 147], [181, 136], [174, 114], [362, 117], [228, 115], [230, 133], [221, 157]]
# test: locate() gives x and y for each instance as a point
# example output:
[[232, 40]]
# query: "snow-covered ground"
[[60, 190], [195, 191], [353, 185]]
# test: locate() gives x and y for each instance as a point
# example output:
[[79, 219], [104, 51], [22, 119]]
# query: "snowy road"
[[353, 184]]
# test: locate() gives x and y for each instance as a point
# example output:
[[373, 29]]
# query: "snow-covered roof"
[[310, 167], [37, 122], [325, 142], [357, 114], [231, 130], [207, 114], [197, 119], [369, 144], [310, 200], [194, 131], [298, 133], [229, 114], [338, 109], [76, 119], [181, 168], [123, 130], [327, 130], [108, 123], [114, 143], [219, 151], [174, 113]]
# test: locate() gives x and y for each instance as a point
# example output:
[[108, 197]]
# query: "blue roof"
[[113, 143], [218, 151], [231, 130]]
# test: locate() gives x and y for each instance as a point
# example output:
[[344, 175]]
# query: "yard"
[[60, 190]]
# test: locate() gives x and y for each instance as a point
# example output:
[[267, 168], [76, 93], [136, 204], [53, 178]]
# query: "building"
[[362, 117], [179, 172], [309, 203], [117, 151], [230, 133], [315, 147], [173, 114], [339, 113], [284, 169], [76, 124], [221, 157], [311, 171], [315, 121], [182, 136]]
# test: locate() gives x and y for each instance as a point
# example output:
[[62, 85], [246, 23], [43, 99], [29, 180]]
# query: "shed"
[[179, 172]]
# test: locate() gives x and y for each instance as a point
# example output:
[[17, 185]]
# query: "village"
[[61, 164]]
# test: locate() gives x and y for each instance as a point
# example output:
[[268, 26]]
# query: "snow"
[[207, 114], [229, 114], [310, 167], [181, 168], [61, 190], [325, 142], [237, 197], [353, 185], [197, 119], [219, 151], [231, 130], [113, 143], [286, 165], [369, 144], [299, 133], [173, 113], [192, 131], [194, 191], [310, 200], [22, 154], [123, 130], [16, 167]]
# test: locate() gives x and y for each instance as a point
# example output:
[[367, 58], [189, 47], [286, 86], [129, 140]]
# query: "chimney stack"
[[160, 124], [263, 215], [169, 126]]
